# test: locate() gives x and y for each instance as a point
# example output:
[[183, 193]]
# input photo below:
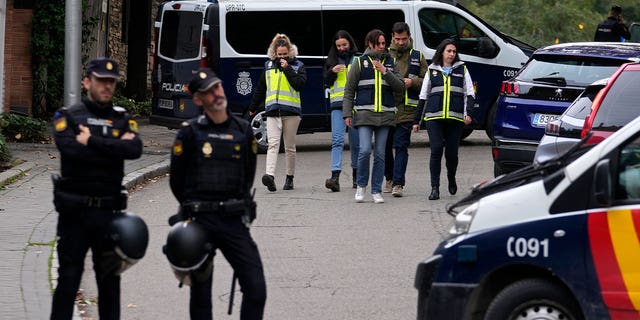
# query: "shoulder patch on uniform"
[[60, 124], [133, 126], [177, 147], [254, 146]]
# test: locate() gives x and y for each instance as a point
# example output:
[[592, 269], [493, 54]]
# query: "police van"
[[559, 240], [232, 38]]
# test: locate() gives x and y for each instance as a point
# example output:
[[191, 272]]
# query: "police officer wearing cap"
[[94, 138], [213, 165], [613, 28]]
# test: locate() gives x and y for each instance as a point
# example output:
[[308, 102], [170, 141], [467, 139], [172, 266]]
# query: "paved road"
[[325, 256], [309, 219]]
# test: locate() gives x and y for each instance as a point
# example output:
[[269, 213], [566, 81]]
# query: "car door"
[[614, 231]]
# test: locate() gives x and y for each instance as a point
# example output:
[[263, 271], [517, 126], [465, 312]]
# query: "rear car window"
[[621, 104], [575, 70], [581, 108], [181, 35]]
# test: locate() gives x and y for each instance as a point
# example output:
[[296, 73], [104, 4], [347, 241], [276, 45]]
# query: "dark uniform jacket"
[[98, 168], [611, 30], [212, 162]]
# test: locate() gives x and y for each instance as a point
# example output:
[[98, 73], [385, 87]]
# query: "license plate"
[[541, 119], [165, 104]]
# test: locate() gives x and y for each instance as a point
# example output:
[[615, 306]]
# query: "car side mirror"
[[487, 48], [602, 183]]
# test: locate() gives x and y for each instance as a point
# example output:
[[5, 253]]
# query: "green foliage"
[[24, 129], [135, 108], [541, 22], [5, 153], [47, 53]]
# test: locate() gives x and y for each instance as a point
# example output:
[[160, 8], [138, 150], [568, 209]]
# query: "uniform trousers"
[[232, 237], [78, 231]]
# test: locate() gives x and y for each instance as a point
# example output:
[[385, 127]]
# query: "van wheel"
[[259, 125], [491, 120], [533, 299]]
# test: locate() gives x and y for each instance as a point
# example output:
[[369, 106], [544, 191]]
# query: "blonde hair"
[[281, 40]]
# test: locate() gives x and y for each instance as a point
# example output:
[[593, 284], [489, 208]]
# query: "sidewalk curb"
[[15, 172], [141, 175]]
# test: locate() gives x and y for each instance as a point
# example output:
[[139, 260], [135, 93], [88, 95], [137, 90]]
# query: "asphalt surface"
[[28, 268], [27, 232]]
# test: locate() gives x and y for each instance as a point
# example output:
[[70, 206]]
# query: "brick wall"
[[17, 64], [116, 49]]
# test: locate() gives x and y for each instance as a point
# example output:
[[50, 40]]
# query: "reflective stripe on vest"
[[280, 94], [446, 99], [374, 93], [413, 69], [336, 92]]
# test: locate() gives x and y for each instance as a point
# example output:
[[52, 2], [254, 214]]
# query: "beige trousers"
[[287, 127]]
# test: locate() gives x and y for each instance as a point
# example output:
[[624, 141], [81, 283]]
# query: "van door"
[[489, 59]]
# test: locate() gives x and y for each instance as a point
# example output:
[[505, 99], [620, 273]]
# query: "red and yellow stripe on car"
[[615, 247]]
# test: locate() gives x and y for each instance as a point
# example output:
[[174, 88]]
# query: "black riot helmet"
[[187, 250], [130, 237]]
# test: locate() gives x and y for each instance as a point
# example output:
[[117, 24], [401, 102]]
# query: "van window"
[[307, 35], [181, 35], [302, 27], [437, 25]]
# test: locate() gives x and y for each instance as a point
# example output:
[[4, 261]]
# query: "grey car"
[[564, 132]]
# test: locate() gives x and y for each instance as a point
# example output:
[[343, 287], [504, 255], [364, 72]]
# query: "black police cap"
[[203, 80], [103, 68], [616, 9]]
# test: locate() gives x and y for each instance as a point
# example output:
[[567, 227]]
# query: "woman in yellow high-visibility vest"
[[335, 77], [279, 89]]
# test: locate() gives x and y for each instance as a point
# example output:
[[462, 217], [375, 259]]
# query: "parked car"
[[557, 240], [616, 105], [565, 132], [542, 90]]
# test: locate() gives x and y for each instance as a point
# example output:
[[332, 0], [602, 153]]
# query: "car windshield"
[[568, 70]]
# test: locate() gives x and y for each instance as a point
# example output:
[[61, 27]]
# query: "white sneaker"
[[388, 186], [377, 198], [360, 194]]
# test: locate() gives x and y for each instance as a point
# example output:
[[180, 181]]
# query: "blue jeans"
[[444, 135], [401, 141], [338, 128], [367, 134]]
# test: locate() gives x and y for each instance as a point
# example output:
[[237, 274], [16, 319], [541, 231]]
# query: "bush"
[[139, 109], [23, 129], [5, 154]]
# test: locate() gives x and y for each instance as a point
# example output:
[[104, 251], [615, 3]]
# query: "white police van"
[[232, 38], [559, 240]]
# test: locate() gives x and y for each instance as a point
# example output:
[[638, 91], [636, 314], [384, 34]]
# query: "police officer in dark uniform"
[[213, 165], [613, 28], [94, 138]]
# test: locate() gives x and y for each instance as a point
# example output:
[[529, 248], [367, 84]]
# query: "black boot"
[[453, 187], [269, 182], [354, 175], [435, 193], [288, 183], [333, 183]]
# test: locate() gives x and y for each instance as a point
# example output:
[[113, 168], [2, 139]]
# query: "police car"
[[555, 240]]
